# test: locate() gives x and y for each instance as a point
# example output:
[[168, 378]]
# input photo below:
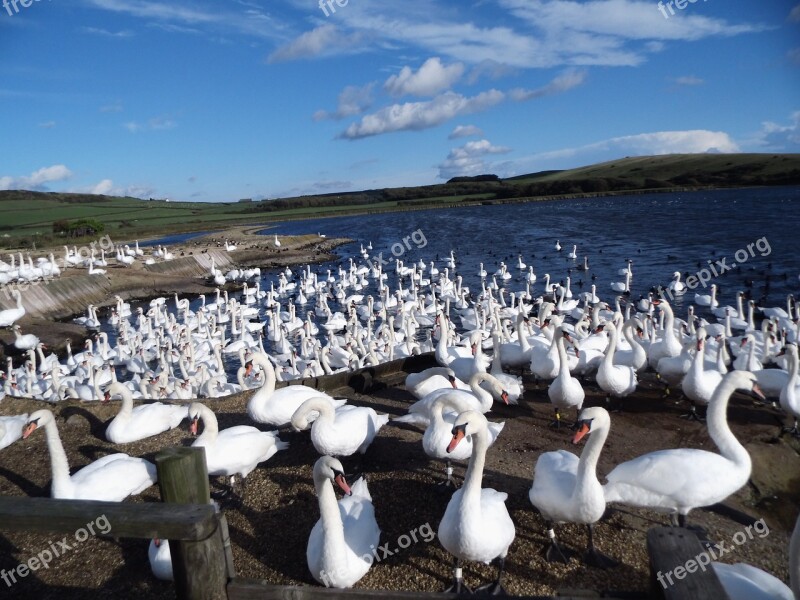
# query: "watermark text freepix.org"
[[100, 526], [9, 4], [679, 4], [719, 267], [702, 560], [328, 5], [383, 551]]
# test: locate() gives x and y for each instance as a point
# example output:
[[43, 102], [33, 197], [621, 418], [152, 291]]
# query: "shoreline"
[[182, 276]]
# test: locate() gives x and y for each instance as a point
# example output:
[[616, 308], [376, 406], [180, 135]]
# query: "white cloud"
[[47, 124], [490, 69], [37, 180], [325, 40], [415, 116], [643, 144], [462, 131], [689, 80], [353, 100], [566, 81], [431, 78], [468, 160], [781, 138], [106, 33], [103, 188], [794, 15], [154, 124], [112, 108]]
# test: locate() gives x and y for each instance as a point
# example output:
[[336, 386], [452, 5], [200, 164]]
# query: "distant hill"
[[29, 217]]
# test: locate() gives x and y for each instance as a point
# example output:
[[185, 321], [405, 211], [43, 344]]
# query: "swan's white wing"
[[553, 480], [117, 477], [745, 582]]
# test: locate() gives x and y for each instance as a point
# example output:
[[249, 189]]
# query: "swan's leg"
[[692, 415], [793, 430], [556, 552], [458, 587], [666, 385], [449, 480], [495, 588], [557, 422], [595, 558]]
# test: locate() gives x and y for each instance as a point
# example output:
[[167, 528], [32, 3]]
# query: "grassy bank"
[[27, 217]]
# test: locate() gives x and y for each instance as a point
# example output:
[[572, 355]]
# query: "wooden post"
[[199, 568]]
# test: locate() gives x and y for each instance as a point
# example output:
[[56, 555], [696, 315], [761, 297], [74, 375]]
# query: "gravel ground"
[[271, 520]]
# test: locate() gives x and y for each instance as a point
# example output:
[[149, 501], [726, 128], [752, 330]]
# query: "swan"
[[476, 525], [566, 489], [11, 315], [276, 407], [636, 357], [277, 242], [574, 254], [340, 432], [678, 480], [478, 398], [668, 345], [160, 558], [423, 383], [709, 300], [11, 429], [27, 341], [558, 246], [233, 450], [615, 380], [790, 394], [341, 543], [676, 286], [133, 424], [440, 432], [565, 391], [700, 384], [111, 478]]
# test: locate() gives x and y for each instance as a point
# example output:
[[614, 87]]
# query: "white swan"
[[11, 429], [340, 432], [678, 480], [564, 391], [11, 315], [341, 542], [423, 383], [790, 394], [478, 398], [111, 478], [566, 489], [476, 525], [615, 380], [700, 384], [160, 557], [709, 300], [276, 407], [233, 450], [440, 432], [277, 242], [133, 424]]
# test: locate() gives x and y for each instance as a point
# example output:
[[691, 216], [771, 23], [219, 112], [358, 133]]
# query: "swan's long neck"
[[58, 457], [718, 428], [608, 359], [332, 528], [127, 403], [473, 479], [484, 397], [563, 371], [210, 425], [586, 482], [268, 387], [323, 407]]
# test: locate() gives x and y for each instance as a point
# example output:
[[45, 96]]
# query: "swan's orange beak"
[[504, 396], [193, 426], [581, 433], [699, 344], [759, 392], [458, 435], [342, 483], [474, 349], [29, 429], [157, 542], [453, 382]]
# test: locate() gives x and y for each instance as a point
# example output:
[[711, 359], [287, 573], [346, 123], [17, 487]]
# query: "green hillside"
[[27, 217]]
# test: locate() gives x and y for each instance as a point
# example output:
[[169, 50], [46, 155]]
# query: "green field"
[[27, 217]]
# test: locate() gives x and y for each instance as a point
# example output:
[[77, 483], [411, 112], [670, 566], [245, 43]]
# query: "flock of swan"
[[480, 340]]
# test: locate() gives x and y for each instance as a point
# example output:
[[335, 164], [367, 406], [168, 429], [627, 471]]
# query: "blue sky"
[[217, 101]]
